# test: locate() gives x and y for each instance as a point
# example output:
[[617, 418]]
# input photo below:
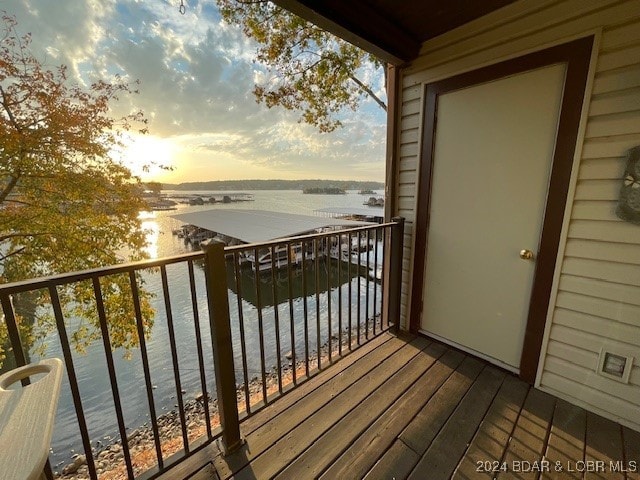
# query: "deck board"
[[566, 441], [425, 427], [338, 437], [264, 429], [442, 456], [284, 449], [604, 444], [375, 353], [398, 461], [484, 455], [527, 445], [405, 407], [362, 454], [632, 453], [208, 472]]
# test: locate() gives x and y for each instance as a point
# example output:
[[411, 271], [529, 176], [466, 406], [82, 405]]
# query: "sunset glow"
[[146, 155], [196, 76]]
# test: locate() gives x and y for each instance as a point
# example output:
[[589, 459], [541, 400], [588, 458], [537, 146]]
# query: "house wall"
[[596, 293]]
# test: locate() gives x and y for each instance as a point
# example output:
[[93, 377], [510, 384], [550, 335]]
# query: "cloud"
[[196, 79]]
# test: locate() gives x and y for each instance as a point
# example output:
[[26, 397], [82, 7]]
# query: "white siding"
[[596, 297]]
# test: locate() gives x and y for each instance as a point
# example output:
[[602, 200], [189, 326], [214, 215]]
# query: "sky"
[[196, 78]]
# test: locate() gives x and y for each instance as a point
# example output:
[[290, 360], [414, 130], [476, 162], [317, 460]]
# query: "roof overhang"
[[393, 30]]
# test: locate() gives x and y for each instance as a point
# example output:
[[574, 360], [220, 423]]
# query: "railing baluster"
[[291, 316], [276, 316], [243, 341], [48, 471], [383, 280], [328, 263], [316, 250], [73, 380], [367, 286], [145, 366], [305, 308], [174, 356], [375, 282], [14, 334], [106, 342], [200, 352], [350, 289], [260, 325], [340, 295], [359, 305]]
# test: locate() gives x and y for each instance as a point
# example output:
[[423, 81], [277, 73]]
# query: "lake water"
[[91, 366]]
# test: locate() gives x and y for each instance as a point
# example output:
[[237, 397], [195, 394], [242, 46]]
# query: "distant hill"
[[238, 185]]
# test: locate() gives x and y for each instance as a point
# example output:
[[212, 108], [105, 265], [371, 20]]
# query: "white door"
[[493, 150]]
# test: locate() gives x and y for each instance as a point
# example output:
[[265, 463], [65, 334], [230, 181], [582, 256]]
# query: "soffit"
[[393, 30]]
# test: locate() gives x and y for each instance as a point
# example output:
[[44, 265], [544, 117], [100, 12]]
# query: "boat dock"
[[237, 227], [364, 214]]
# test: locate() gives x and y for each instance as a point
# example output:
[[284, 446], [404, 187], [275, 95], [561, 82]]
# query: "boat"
[[280, 255]]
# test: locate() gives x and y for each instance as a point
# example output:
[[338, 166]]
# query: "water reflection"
[[152, 229], [276, 287]]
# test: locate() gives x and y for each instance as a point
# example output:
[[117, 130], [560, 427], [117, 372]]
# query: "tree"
[[153, 187], [66, 203], [311, 69]]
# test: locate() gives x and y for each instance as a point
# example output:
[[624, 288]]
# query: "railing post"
[[218, 301], [14, 333], [395, 272]]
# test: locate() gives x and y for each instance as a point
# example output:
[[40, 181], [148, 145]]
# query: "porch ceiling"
[[391, 29]]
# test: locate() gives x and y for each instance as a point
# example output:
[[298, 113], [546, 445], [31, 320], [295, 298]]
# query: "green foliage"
[[65, 203], [153, 187], [311, 70]]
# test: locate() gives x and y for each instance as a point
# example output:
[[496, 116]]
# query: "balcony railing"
[[278, 313]]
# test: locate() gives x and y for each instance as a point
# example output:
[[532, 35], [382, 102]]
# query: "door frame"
[[576, 55]]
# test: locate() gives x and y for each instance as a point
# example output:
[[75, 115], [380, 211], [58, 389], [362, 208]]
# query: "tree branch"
[[5, 104], [369, 92], [8, 188], [3, 257]]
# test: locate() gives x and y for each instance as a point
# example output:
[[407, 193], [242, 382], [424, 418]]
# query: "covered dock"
[[253, 226]]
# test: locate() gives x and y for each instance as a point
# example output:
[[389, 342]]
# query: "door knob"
[[526, 254]]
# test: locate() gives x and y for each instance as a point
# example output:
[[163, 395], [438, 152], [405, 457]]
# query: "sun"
[[146, 155]]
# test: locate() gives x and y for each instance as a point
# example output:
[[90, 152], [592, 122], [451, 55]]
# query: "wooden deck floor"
[[410, 408]]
